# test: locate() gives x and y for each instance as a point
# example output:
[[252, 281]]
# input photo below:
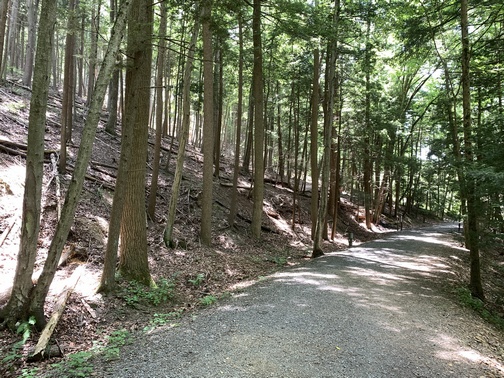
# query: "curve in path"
[[376, 310]]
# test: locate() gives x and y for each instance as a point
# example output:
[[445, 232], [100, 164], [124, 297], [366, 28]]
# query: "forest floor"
[[189, 276]]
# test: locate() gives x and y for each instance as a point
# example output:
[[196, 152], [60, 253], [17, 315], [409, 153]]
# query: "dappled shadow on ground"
[[397, 285]]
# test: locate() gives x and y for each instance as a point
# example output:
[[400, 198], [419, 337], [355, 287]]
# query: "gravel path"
[[376, 310]]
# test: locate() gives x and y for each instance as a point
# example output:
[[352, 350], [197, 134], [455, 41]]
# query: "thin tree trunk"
[[4, 8], [151, 209], [258, 90], [469, 187], [31, 11], [239, 113], [184, 135], [314, 141], [208, 127]]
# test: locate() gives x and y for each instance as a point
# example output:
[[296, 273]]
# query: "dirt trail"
[[381, 309]]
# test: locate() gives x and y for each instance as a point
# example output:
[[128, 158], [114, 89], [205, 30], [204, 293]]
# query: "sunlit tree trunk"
[[183, 137], [16, 308]]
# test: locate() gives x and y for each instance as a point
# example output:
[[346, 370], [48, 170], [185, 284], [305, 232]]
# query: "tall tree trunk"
[[93, 56], [330, 76], [4, 8], [31, 12], [184, 135], [133, 262], [208, 126], [77, 181], [113, 89], [469, 184], [258, 90], [15, 309], [314, 141], [217, 110], [68, 87], [281, 155], [239, 114], [151, 210]]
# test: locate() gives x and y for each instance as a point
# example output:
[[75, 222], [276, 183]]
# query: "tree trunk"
[[95, 27], [258, 90], [81, 164], [31, 12], [113, 89], [184, 135], [239, 113], [4, 8], [159, 114], [469, 184], [330, 76], [133, 262], [68, 87], [16, 308], [208, 127], [314, 141]]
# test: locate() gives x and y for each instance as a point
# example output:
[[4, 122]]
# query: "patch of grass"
[[73, 366], [465, 297], [81, 364], [135, 294], [279, 260], [160, 320], [208, 300]]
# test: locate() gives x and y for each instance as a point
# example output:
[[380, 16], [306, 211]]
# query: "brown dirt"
[[233, 261]]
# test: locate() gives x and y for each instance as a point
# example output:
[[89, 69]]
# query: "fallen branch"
[[42, 349], [8, 230]]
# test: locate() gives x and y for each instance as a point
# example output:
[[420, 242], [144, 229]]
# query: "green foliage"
[[160, 320], [279, 260], [134, 293], [208, 300], [74, 366], [29, 373], [24, 329], [198, 280], [465, 297], [115, 341]]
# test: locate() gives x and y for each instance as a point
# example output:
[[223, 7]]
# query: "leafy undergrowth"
[[187, 277]]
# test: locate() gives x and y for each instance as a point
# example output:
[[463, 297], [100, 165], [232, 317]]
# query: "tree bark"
[[184, 135], [31, 12], [16, 308], [239, 113], [314, 141], [470, 187], [151, 210], [258, 90], [133, 262], [208, 127]]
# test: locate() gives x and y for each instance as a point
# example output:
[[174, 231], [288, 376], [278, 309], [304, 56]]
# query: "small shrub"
[[135, 293], [200, 278], [75, 365], [208, 300], [478, 306]]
